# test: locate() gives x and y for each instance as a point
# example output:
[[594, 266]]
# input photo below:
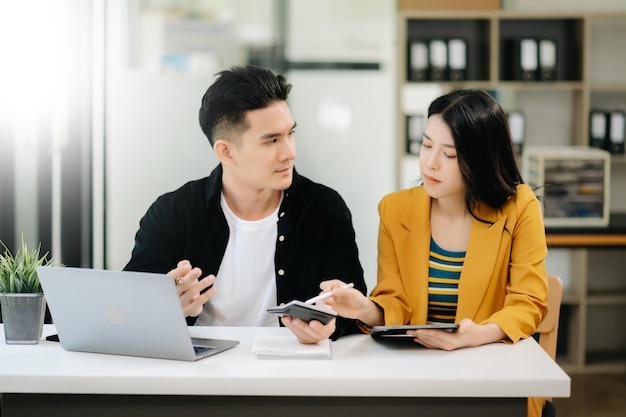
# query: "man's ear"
[[222, 149]]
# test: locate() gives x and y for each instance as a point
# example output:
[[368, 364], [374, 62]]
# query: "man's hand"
[[189, 287], [311, 332]]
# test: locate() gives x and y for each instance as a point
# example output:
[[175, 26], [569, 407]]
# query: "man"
[[254, 233]]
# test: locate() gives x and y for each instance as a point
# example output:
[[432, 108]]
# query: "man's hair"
[[235, 92], [483, 144]]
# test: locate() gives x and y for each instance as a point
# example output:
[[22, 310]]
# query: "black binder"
[[524, 59], [616, 127], [418, 60], [438, 59], [598, 128], [457, 59], [414, 131], [547, 59], [517, 127]]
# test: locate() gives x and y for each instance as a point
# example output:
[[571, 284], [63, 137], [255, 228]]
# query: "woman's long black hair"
[[484, 149]]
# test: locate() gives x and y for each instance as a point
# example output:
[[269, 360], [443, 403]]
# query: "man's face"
[[264, 156]]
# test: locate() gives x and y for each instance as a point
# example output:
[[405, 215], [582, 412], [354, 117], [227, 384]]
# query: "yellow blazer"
[[503, 281]]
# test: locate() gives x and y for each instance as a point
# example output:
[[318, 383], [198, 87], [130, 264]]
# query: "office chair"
[[548, 329]]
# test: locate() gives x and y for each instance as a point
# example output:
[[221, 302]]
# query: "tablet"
[[400, 330], [303, 311]]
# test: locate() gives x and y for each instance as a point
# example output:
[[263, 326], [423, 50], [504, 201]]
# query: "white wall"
[[154, 144], [346, 131]]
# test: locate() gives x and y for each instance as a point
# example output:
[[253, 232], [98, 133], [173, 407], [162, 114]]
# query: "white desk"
[[362, 377]]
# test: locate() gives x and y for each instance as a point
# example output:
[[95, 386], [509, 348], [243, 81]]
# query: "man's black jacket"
[[316, 238]]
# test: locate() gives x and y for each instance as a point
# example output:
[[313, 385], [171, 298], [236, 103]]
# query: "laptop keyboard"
[[202, 349]]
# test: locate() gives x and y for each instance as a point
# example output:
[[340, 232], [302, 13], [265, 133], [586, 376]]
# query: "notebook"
[[285, 347], [122, 313]]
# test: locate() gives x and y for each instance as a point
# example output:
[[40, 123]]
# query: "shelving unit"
[[590, 74], [594, 303]]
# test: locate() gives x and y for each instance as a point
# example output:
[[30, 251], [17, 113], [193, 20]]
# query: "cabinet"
[[589, 74], [572, 181]]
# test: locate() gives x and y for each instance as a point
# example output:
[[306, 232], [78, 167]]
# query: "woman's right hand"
[[351, 303]]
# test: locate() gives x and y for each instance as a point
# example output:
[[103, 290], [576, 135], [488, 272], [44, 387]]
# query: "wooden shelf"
[[542, 85], [608, 87], [589, 75], [606, 299], [585, 240]]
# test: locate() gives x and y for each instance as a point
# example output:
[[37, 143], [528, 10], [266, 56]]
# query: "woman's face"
[[439, 165]]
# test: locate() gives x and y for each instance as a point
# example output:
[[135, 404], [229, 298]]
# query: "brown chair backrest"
[[549, 328]]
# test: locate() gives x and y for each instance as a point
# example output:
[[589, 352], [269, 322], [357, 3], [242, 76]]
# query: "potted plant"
[[21, 296]]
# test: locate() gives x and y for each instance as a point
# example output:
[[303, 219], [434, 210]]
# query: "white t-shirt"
[[245, 282]]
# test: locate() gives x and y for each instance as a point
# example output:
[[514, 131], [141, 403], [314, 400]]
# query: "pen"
[[325, 295]]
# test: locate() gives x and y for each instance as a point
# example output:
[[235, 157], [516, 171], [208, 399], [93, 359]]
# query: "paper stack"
[[265, 347]]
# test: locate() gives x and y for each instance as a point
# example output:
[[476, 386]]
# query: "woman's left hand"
[[468, 334]]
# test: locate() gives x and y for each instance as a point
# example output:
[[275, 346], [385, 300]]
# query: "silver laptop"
[[122, 313]]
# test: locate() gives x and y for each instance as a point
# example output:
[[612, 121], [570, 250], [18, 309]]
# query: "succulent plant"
[[18, 273]]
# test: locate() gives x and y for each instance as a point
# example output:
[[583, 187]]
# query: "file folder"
[[457, 59], [547, 60], [414, 131], [617, 126], [418, 61], [517, 127], [526, 57], [438, 58], [598, 122]]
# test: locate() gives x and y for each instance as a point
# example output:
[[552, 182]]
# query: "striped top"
[[444, 271]]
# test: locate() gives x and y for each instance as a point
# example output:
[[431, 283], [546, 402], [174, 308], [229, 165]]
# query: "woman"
[[467, 245]]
